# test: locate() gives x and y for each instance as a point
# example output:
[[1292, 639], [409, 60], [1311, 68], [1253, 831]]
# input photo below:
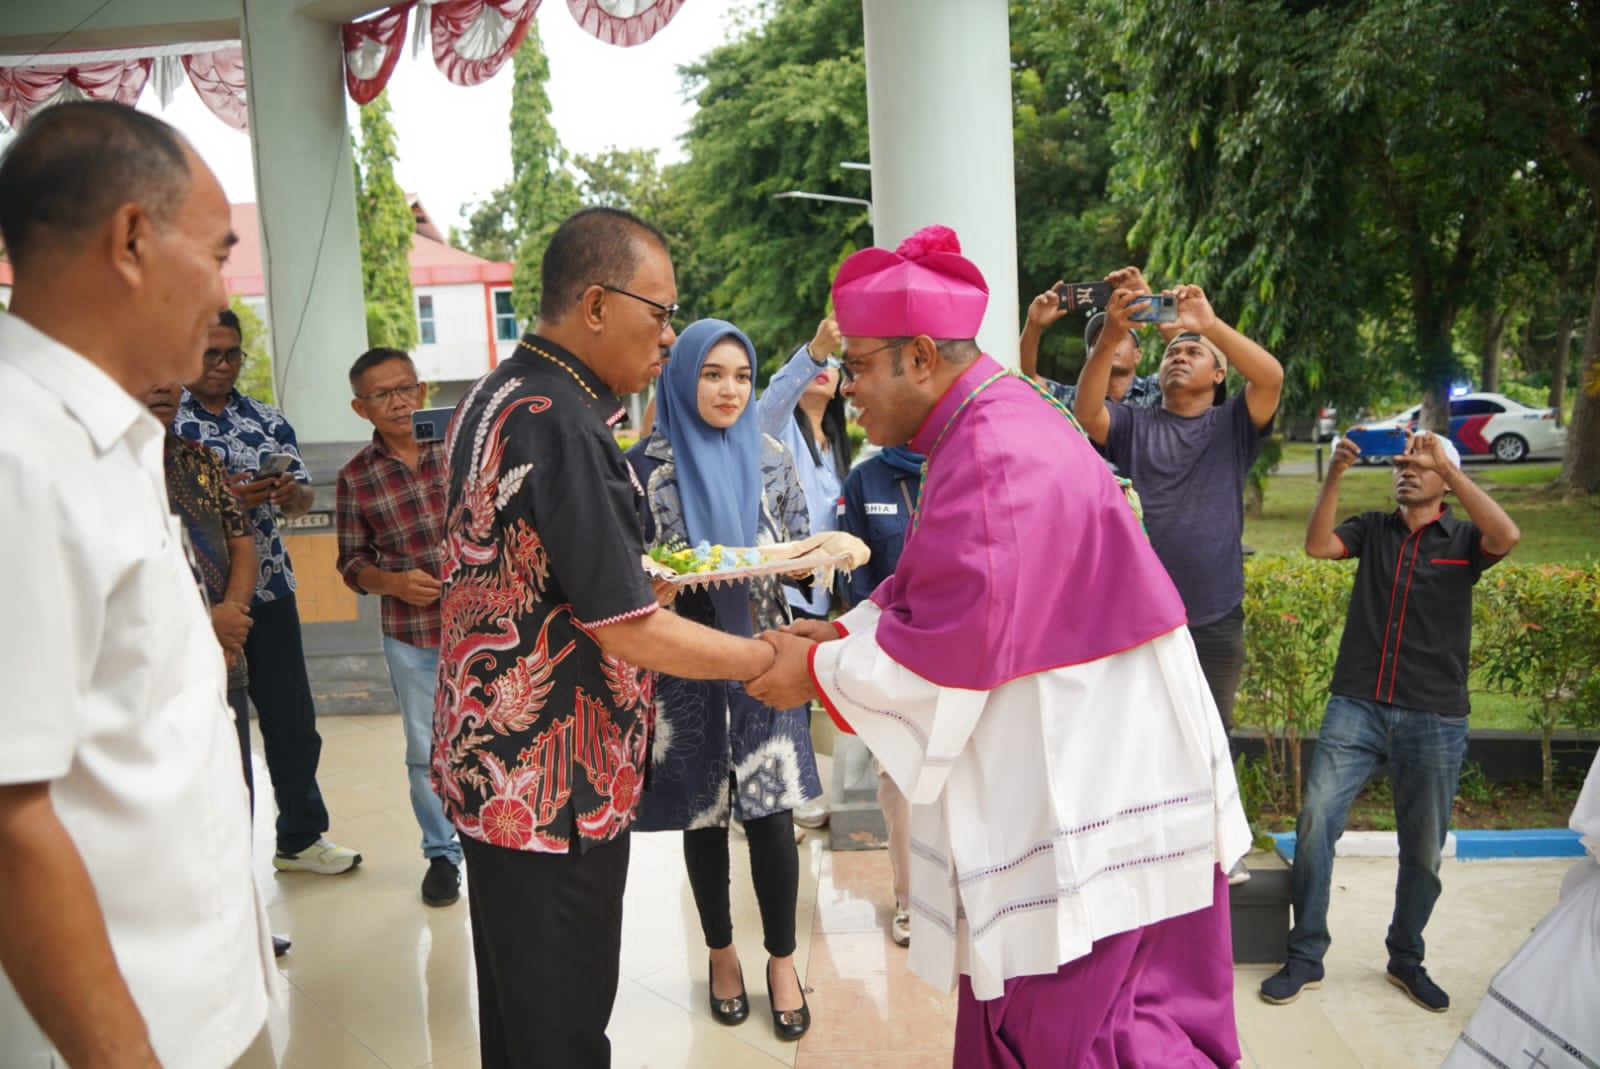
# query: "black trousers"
[[1220, 645], [546, 938], [281, 693], [774, 870], [239, 702]]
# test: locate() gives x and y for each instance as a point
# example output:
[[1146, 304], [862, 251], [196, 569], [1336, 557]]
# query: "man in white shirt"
[[131, 934]]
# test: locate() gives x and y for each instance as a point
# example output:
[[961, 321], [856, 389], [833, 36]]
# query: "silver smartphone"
[[273, 465]]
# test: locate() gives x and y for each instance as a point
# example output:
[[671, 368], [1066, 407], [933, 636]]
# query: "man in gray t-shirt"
[[1188, 459]]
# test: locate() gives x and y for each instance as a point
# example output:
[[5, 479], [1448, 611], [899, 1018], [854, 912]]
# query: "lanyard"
[[1129, 494]]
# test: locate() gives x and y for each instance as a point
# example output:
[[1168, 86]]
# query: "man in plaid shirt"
[[390, 518]]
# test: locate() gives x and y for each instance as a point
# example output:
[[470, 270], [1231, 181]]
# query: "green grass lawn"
[[1553, 529]]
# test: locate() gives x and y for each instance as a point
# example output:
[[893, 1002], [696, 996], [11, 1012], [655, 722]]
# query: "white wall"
[[504, 349], [461, 327]]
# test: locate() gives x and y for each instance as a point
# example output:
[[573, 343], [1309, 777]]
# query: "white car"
[[1489, 425]]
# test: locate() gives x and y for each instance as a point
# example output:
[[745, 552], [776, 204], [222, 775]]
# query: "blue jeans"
[[413, 671], [1424, 753]]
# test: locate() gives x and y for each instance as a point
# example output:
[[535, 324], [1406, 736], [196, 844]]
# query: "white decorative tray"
[[793, 566], [820, 554]]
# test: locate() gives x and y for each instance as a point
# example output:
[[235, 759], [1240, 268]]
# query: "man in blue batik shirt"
[[245, 432]]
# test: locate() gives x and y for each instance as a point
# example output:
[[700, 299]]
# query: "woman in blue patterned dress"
[[711, 475]]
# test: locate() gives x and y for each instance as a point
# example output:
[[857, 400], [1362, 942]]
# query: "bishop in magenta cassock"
[[1026, 678]]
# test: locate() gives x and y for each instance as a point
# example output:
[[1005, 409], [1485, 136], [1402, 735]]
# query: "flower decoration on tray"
[[819, 555]]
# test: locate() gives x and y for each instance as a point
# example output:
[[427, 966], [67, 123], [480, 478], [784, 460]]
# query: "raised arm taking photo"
[[1043, 310]]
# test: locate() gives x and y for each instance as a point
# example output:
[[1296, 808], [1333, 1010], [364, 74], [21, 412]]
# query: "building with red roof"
[[463, 302]]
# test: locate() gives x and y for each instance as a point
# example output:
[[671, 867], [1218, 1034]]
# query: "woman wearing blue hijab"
[[710, 475]]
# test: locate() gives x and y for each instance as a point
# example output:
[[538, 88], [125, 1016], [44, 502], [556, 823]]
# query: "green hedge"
[[1536, 635]]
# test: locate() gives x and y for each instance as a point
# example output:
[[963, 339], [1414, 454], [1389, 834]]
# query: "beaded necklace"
[[558, 362], [922, 480], [1125, 485]]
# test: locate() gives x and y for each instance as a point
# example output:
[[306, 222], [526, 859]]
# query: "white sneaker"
[[900, 928], [812, 814], [322, 857], [1238, 874]]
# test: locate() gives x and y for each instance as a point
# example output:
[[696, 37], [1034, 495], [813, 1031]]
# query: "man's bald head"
[[74, 165]]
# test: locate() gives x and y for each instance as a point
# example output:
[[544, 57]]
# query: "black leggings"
[[774, 869]]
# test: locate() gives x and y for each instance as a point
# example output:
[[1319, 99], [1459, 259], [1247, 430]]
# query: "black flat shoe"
[[789, 1024], [729, 1011]]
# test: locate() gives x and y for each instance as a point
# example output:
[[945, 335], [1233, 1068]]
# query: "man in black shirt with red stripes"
[[1399, 696]]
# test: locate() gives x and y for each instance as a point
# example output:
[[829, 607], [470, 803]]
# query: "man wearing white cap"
[[1189, 457], [1399, 696]]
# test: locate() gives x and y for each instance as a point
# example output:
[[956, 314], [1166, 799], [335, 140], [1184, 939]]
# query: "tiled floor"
[[377, 980]]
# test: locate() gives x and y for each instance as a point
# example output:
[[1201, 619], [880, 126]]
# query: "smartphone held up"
[[1149, 308], [1154, 308], [1378, 441], [1071, 296]]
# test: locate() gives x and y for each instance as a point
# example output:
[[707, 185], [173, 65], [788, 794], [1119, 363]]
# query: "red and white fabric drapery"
[[472, 39], [121, 75]]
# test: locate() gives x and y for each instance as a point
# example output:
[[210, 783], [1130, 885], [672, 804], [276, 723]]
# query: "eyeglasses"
[[224, 356], [664, 312], [850, 366], [412, 391]]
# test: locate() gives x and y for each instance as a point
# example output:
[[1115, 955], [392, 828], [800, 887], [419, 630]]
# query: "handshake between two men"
[[787, 682]]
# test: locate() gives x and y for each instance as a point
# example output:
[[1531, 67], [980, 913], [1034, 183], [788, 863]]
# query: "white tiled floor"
[[378, 980]]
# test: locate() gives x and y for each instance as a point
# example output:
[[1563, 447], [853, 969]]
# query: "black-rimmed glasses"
[[850, 363], [234, 355], [411, 392], [665, 313]]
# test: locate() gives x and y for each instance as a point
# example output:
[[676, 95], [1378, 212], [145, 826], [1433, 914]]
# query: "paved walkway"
[[377, 980]]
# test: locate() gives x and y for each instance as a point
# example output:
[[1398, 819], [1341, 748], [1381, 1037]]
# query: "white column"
[[306, 189], [939, 120]]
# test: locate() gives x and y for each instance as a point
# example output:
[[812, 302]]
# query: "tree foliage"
[[542, 191], [1304, 164], [1550, 79], [779, 109], [623, 178], [1387, 193], [255, 376], [1069, 229], [1360, 179], [386, 226], [491, 230]]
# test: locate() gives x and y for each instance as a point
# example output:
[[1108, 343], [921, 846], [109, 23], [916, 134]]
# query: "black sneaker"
[[441, 884], [1285, 985], [1415, 981]]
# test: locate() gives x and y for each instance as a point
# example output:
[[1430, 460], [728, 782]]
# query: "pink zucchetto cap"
[[923, 287]]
